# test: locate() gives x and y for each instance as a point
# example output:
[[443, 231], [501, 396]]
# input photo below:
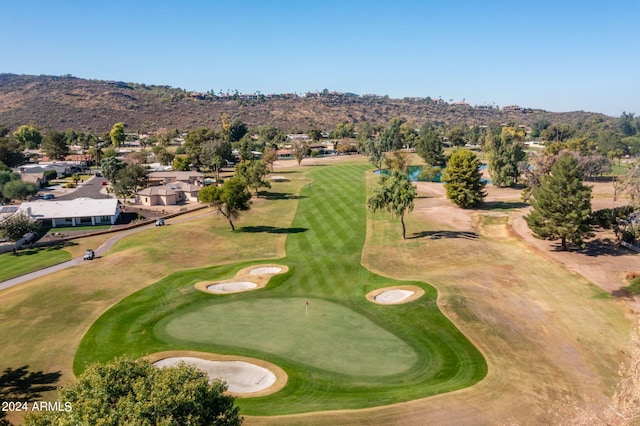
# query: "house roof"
[[171, 188], [178, 175], [156, 190], [60, 209]]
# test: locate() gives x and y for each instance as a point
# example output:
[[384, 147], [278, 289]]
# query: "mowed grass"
[[30, 260], [349, 352], [283, 327], [43, 321]]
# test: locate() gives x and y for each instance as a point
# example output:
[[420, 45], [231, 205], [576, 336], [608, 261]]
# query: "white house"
[[78, 212]]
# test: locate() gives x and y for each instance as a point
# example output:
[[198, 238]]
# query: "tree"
[[252, 174], [215, 154], [19, 190], [129, 180], [625, 124], [456, 136], [229, 199], [392, 137], [630, 183], [18, 225], [117, 134], [464, 184], [28, 137], [343, 129], [429, 146], [315, 134], [181, 163], [110, 168], [10, 153], [398, 160], [269, 157], [504, 153], [55, 145], [374, 148], [127, 391], [300, 150], [395, 194], [561, 205]]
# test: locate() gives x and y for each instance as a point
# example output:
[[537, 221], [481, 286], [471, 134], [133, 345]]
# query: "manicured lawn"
[[349, 352], [26, 261]]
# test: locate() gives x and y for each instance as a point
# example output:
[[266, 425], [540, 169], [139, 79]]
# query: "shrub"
[[634, 286]]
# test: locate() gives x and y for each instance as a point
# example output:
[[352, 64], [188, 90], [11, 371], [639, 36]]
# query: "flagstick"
[[306, 310]]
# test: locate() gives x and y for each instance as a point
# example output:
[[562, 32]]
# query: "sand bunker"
[[231, 287], [241, 377], [395, 295], [264, 270], [278, 178], [250, 278], [244, 376]]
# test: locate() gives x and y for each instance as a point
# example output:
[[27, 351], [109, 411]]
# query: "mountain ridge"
[[67, 102]]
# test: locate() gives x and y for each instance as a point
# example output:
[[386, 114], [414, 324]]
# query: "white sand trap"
[[394, 296], [231, 287], [261, 271], [241, 377], [278, 178]]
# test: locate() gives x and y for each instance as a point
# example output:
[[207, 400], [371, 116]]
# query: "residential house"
[[160, 178], [168, 195], [78, 212]]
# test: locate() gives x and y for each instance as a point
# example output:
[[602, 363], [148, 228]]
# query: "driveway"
[[88, 189]]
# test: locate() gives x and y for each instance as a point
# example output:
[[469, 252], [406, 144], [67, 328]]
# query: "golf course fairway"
[[338, 349]]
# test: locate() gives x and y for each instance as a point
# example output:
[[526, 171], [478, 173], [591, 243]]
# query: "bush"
[[634, 286], [50, 175], [69, 185]]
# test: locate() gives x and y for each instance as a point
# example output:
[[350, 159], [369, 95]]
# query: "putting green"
[[282, 327]]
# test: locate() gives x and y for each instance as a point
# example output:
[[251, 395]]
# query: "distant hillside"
[[92, 105]]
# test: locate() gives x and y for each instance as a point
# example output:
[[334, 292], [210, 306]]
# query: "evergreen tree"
[[505, 153], [429, 146], [561, 205], [55, 145], [463, 179]]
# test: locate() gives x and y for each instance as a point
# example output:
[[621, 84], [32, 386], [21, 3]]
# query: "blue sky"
[[554, 55]]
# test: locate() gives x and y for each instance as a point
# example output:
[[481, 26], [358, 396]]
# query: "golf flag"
[[306, 309]]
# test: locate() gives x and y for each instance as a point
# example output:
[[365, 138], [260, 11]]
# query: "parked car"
[[48, 196], [89, 254], [104, 182]]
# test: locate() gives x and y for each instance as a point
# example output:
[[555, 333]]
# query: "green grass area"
[[349, 353], [26, 261]]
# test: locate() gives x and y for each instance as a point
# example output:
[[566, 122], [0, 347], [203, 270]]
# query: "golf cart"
[[89, 254]]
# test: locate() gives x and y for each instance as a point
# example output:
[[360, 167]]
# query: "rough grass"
[[43, 321], [359, 354], [25, 261]]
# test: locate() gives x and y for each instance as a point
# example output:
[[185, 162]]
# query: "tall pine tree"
[[561, 205], [463, 178]]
